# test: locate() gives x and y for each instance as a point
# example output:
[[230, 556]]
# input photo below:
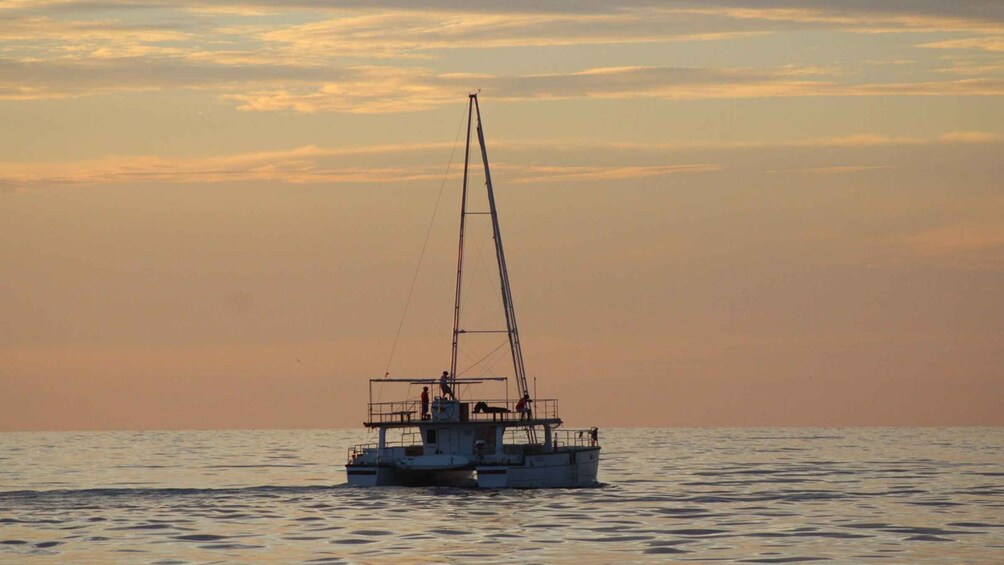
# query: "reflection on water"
[[733, 495]]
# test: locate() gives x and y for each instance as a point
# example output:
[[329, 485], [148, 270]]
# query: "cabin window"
[[430, 436]]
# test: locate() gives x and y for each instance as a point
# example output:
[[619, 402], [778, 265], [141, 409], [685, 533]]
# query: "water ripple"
[[729, 495]]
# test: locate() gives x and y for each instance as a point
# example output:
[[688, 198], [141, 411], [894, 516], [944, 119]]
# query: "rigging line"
[[493, 281], [478, 262], [491, 366], [466, 352], [490, 353], [425, 244], [469, 355]]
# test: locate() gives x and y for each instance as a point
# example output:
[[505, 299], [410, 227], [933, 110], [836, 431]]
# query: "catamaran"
[[502, 442]]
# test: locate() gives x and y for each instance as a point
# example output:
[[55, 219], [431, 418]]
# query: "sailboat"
[[474, 438]]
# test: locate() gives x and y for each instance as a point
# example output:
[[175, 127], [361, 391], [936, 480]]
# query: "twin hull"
[[559, 469]]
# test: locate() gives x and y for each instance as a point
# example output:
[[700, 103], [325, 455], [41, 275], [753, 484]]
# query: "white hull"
[[367, 476], [563, 469], [560, 469]]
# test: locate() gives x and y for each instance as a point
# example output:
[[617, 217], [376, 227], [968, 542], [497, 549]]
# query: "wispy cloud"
[[972, 137], [979, 64], [381, 89], [385, 57], [43, 38], [834, 169], [297, 166], [422, 162], [862, 17], [990, 43], [592, 173], [417, 33]]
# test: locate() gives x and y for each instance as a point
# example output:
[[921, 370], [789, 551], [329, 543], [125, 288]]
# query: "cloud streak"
[[378, 89], [381, 89], [297, 166], [989, 43], [355, 58], [421, 163]]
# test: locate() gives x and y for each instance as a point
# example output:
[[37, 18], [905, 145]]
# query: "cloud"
[[329, 31], [62, 78], [962, 87], [979, 64], [593, 173], [990, 43], [383, 89], [43, 38], [972, 137], [363, 90], [422, 162], [416, 33], [868, 17], [301, 165], [361, 57], [835, 169], [859, 140], [406, 33], [295, 166]]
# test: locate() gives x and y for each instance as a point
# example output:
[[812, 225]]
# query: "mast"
[[460, 251], [507, 304], [512, 329]]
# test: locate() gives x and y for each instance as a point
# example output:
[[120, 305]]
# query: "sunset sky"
[[716, 212]]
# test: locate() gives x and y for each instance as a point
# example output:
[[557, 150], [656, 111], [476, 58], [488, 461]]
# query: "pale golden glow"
[[732, 213]]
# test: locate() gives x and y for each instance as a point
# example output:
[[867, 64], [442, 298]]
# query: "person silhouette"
[[444, 386], [523, 407]]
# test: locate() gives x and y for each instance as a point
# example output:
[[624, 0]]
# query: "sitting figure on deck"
[[482, 408], [523, 407], [444, 385]]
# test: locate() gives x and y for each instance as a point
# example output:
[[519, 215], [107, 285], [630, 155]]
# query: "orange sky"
[[716, 213]]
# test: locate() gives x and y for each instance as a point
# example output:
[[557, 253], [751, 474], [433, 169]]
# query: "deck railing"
[[517, 438], [576, 438], [407, 439], [394, 411], [357, 450], [559, 438], [543, 409], [498, 410]]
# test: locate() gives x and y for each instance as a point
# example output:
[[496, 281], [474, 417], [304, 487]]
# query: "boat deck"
[[508, 422], [406, 413]]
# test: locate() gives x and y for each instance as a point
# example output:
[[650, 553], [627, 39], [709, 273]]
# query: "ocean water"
[[757, 495]]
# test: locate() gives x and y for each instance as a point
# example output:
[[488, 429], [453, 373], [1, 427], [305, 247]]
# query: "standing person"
[[523, 407], [444, 385], [425, 403]]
